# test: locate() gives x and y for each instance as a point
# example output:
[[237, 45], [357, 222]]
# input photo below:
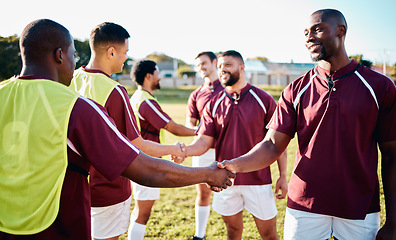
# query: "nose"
[[309, 36]]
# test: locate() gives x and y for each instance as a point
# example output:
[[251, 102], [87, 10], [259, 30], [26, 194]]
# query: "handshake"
[[220, 175], [179, 153]]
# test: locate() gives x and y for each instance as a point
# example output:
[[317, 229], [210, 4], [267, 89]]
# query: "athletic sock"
[[201, 219], [136, 231]]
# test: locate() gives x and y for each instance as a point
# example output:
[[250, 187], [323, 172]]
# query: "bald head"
[[332, 16], [41, 38]]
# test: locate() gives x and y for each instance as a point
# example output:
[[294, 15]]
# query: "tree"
[[186, 70], [263, 59], [83, 52], [364, 62], [393, 74], [10, 57]]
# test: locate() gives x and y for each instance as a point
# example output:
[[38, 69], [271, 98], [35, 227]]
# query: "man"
[[152, 120], [236, 118], [207, 68], [340, 111], [52, 138], [110, 200]]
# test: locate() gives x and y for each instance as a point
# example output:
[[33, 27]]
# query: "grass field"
[[173, 214]]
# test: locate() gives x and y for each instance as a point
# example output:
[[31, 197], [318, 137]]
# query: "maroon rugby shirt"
[[105, 192], [200, 96], [335, 170], [237, 126], [107, 150], [154, 118]]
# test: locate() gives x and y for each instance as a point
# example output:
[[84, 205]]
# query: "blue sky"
[[182, 28]]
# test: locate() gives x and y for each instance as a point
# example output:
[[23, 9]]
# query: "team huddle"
[[76, 149]]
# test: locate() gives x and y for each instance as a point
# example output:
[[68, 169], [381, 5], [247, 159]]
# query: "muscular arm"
[[178, 129], [155, 172], [155, 149], [388, 169], [262, 155], [199, 146]]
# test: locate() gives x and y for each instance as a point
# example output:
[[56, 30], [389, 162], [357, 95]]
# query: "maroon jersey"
[[152, 119], [200, 96], [238, 124], [86, 146], [339, 118], [103, 191]]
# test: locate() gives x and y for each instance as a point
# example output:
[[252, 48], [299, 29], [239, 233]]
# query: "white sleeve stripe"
[[126, 106], [258, 100], [302, 91], [217, 104], [368, 87], [125, 140], [72, 147], [157, 111]]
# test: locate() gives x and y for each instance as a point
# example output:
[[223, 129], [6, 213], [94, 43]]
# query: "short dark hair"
[[42, 37], [140, 69], [332, 14], [107, 33], [232, 53], [211, 55]]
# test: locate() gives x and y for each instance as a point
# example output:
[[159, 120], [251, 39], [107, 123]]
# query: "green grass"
[[172, 216]]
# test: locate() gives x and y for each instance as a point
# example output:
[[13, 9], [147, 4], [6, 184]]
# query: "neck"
[[335, 62], [213, 77], [40, 71], [97, 63], [145, 88], [237, 87]]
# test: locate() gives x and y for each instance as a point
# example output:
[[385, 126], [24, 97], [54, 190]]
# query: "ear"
[[110, 52], [341, 31], [58, 55], [242, 67]]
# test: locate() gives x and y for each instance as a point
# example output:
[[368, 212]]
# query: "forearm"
[[178, 129], [199, 146], [282, 164], [264, 153], [388, 170], [155, 172], [155, 149]]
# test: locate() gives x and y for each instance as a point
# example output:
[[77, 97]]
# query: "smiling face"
[[322, 40], [205, 66], [229, 70]]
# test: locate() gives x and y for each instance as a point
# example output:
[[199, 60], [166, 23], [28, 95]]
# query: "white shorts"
[[258, 200], [205, 159], [144, 193], [111, 221], [305, 225]]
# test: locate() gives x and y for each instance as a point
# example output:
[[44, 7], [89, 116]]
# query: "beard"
[[158, 86], [319, 56], [233, 78]]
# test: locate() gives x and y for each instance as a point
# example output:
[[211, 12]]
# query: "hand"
[[219, 178], [227, 164], [180, 153], [281, 185], [387, 232]]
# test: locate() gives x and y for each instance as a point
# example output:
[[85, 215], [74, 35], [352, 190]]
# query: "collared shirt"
[[338, 129], [237, 123]]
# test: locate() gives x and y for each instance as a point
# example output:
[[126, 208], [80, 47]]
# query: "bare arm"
[[199, 146], [281, 183], [388, 169], [178, 129], [156, 172], [262, 155], [191, 122], [157, 150]]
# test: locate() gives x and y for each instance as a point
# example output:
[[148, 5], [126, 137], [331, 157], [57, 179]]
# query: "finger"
[[220, 165]]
